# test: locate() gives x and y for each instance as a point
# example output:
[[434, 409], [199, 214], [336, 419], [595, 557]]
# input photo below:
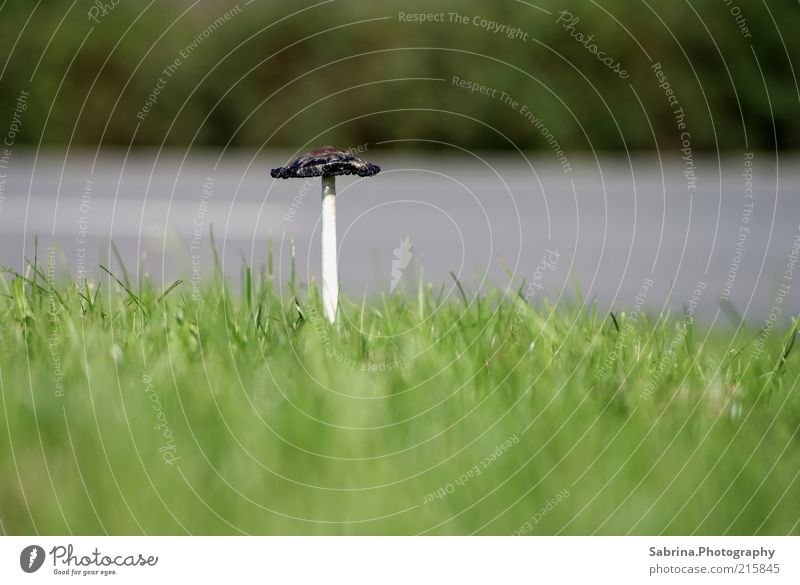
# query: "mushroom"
[[327, 162]]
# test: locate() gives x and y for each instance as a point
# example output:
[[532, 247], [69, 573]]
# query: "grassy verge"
[[129, 409]]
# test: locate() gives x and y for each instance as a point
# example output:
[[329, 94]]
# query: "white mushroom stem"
[[330, 273]]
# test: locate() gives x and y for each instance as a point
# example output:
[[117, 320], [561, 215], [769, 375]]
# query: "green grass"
[[250, 414]]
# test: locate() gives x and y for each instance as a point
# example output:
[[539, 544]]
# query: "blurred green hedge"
[[280, 73]]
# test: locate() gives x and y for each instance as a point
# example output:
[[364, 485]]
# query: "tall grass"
[[129, 408]]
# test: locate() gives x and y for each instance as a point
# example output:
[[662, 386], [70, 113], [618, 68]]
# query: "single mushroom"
[[327, 162]]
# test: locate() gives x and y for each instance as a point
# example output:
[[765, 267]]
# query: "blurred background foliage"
[[285, 73]]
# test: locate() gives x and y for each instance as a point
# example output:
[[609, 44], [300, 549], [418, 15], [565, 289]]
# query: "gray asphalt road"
[[613, 223]]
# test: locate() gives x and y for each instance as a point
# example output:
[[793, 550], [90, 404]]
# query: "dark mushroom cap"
[[325, 162]]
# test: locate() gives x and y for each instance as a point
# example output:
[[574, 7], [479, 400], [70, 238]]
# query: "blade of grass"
[[118, 257], [169, 289], [460, 289], [132, 296]]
